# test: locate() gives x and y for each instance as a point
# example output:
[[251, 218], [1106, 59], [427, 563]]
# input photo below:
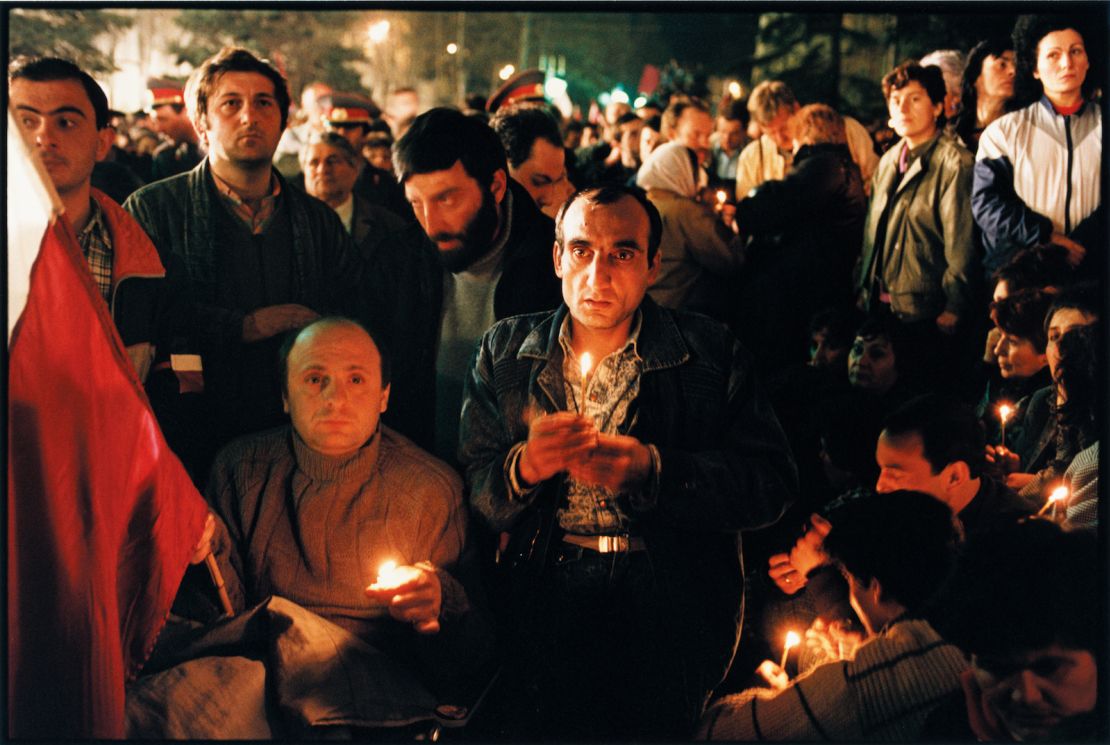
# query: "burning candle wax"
[[1004, 412], [390, 575], [792, 640], [1058, 494], [585, 364]]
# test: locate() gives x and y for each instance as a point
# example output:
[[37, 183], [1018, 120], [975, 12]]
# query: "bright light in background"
[[618, 96], [735, 89], [452, 48], [554, 87], [639, 102], [378, 31], [603, 99], [506, 72]]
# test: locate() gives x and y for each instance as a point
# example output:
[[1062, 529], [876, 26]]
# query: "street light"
[[378, 31], [506, 72], [452, 48]]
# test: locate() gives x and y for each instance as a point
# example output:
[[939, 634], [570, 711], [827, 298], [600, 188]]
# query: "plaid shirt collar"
[[96, 244], [255, 218]]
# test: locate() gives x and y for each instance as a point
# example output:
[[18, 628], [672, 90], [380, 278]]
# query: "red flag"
[[102, 518]]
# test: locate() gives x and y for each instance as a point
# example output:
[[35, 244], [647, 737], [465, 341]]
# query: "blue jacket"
[[726, 465]]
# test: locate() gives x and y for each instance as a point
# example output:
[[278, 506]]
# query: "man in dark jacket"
[[626, 488], [257, 259], [493, 241], [64, 113]]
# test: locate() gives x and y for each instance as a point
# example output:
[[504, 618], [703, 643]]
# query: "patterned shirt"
[[256, 219], [610, 391], [96, 243]]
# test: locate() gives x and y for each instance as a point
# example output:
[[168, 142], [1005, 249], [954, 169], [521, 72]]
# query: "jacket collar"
[[660, 345], [133, 253], [921, 155], [1052, 109]]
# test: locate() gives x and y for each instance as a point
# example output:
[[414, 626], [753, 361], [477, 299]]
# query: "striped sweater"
[[885, 693]]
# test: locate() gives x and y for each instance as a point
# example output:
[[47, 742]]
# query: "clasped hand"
[[568, 442], [413, 595]]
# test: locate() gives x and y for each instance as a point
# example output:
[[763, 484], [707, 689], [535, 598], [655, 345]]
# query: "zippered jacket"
[[1036, 173]]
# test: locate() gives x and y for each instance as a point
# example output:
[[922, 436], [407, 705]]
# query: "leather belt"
[[606, 544]]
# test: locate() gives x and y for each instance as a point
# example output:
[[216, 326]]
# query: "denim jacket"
[[725, 463]]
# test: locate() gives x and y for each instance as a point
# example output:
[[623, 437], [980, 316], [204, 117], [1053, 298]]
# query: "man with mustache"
[[492, 240], [257, 258], [64, 113]]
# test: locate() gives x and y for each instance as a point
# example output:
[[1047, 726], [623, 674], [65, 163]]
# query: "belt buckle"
[[608, 544]]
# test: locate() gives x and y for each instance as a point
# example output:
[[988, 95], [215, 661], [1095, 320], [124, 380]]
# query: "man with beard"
[[256, 259], [493, 241]]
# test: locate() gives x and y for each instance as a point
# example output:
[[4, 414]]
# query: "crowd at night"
[[448, 420]]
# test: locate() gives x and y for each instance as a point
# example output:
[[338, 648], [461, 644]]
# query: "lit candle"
[[792, 640], [388, 576], [585, 363], [1059, 493], [722, 197], [1004, 412]]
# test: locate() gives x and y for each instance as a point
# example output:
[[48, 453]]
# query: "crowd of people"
[[551, 370]]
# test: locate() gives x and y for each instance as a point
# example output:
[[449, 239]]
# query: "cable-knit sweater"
[[885, 693]]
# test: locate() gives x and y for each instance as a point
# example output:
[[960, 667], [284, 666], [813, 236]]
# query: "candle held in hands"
[[1004, 412], [1058, 494], [792, 640], [585, 365]]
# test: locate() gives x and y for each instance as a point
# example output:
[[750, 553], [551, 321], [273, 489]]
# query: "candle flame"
[[792, 640], [586, 364], [1060, 492], [1004, 412], [722, 196]]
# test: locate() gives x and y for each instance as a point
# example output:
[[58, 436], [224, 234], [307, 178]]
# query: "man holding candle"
[[638, 479], [314, 510]]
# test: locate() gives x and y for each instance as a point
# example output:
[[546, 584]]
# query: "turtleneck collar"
[[356, 467]]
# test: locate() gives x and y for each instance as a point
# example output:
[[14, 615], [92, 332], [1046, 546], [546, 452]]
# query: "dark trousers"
[[592, 656]]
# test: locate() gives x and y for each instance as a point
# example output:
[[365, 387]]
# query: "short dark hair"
[[930, 77], [838, 322], [375, 335], [232, 59], [906, 540], [49, 69], [736, 111], [441, 137], [1022, 588], [888, 328], [520, 126], [1040, 266], [609, 194], [1022, 314], [948, 429], [1027, 35]]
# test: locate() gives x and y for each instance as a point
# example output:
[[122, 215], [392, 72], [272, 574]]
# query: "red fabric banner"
[[102, 518]]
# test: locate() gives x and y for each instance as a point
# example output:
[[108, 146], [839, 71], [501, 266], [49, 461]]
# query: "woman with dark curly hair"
[[1037, 171], [987, 88]]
